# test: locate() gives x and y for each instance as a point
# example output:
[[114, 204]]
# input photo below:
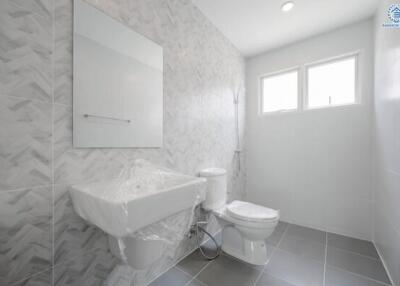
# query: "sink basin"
[[121, 207]]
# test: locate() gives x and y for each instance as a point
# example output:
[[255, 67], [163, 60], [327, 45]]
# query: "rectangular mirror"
[[118, 84]]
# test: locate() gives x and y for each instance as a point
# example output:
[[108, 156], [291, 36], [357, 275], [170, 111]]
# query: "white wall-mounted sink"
[[121, 207]]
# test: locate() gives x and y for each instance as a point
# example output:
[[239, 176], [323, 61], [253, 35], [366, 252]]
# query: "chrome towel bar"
[[106, 117]]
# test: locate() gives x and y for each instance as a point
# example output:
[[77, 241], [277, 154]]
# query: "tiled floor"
[[299, 256]]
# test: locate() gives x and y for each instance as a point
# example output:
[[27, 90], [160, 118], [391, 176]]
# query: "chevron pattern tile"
[[40, 7], [72, 235], [25, 143], [40, 279], [90, 269], [63, 52], [202, 72], [25, 233], [26, 49], [72, 166]]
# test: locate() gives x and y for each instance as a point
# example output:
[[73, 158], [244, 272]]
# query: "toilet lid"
[[251, 212]]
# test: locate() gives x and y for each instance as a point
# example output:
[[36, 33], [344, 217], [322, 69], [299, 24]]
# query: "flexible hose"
[[218, 252]]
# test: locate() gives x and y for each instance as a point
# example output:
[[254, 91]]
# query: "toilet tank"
[[216, 188]]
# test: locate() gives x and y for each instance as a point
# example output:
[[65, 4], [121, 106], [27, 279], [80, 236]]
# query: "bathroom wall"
[[314, 165], [42, 240], [387, 142]]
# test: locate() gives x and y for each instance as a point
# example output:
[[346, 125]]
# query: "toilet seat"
[[246, 221], [251, 212]]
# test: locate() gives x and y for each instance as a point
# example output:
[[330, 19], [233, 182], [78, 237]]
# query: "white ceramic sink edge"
[[122, 215]]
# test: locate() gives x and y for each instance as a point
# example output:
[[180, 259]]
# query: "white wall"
[[314, 165], [387, 143]]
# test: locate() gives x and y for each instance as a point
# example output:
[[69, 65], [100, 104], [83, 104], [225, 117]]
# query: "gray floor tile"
[[358, 264], [173, 277], [268, 280], [352, 244], [297, 262], [337, 277], [193, 263], [295, 269], [226, 271], [196, 282], [306, 233], [302, 247], [277, 234]]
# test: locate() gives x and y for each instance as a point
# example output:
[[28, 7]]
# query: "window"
[[280, 92], [310, 86], [332, 83]]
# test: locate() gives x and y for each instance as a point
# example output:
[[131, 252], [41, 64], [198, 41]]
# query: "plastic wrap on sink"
[[134, 182], [141, 179]]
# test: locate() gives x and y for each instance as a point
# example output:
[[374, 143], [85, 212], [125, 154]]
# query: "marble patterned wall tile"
[[40, 279], [89, 269], [26, 49], [25, 233], [63, 51], [25, 143], [72, 165], [202, 72], [40, 7], [73, 236]]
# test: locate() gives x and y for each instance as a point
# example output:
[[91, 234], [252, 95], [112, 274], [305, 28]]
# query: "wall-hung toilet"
[[245, 226]]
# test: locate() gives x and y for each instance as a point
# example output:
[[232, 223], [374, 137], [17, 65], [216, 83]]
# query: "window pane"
[[332, 83], [280, 92]]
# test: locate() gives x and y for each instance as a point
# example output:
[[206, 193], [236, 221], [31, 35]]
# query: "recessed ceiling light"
[[287, 6]]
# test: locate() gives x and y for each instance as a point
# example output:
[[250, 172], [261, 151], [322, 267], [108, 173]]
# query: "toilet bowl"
[[245, 226], [244, 235]]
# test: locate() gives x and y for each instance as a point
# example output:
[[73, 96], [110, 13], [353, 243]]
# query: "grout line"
[[384, 265], [328, 230], [204, 267], [326, 255], [356, 253], [361, 276], [198, 273], [51, 268], [63, 104], [25, 189], [53, 18], [172, 266], [348, 234], [180, 270], [162, 273], [272, 254], [29, 276], [49, 102], [34, 13], [84, 252]]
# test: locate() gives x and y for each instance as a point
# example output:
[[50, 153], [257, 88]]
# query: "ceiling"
[[256, 26]]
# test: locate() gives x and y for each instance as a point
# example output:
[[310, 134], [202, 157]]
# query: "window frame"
[[357, 92], [261, 78], [302, 85]]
